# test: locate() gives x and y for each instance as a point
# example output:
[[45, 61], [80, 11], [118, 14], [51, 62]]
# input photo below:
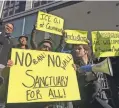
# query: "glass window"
[[43, 2], [29, 23], [11, 11], [17, 2], [4, 7], [5, 13], [18, 6], [7, 3], [22, 6], [36, 3], [16, 9], [12, 3], [50, 1]]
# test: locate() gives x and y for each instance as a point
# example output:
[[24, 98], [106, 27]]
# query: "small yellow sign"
[[105, 43], [76, 37], [39, 76], [49, 23]]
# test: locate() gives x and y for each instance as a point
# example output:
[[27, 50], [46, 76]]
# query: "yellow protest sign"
[[76, 37], [40, 76], [49, 23], [105, 43]]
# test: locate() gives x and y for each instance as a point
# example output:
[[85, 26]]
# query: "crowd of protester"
[[82, 55]]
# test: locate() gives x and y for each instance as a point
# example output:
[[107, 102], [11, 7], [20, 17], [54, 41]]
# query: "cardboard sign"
[[39, 76], [76, 37], [49, 23], [105, 43]]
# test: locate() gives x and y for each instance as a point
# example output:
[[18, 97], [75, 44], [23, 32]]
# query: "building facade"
[[23, 15], [87, 15]]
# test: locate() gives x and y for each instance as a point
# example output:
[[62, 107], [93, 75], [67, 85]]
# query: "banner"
[[105, 43], [76, 37], [49, 23], [39, 76]]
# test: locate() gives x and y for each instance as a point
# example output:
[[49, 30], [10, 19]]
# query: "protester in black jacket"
[[113, 81], [5, 44], [5, 47], [82, 56]]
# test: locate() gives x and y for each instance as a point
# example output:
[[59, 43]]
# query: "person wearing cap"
[[22, 42], [45, 45]]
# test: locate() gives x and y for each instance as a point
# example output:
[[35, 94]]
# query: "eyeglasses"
[[9, 27]]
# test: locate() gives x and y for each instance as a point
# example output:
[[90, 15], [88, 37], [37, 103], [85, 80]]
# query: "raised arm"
[[32, 41], [62, 42]]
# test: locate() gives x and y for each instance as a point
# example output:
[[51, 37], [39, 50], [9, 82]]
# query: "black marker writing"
[[57, 93], [45, 17], [23, 59], [55, 61], [39, 58], [33, 95], [46, 81]]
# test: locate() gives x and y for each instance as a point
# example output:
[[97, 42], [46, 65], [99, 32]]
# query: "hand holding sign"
[[76, 37], [40, 76], [49, 23], [10, 63], [105, 43]]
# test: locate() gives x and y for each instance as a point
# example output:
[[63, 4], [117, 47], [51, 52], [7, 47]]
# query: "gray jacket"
[[5, 47]]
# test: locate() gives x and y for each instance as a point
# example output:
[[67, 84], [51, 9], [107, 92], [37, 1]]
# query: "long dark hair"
[[87, 48]]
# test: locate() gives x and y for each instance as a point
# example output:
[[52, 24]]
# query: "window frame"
[[12, 4], [40, 3]]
